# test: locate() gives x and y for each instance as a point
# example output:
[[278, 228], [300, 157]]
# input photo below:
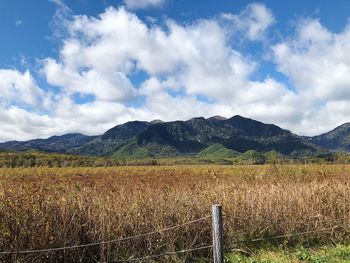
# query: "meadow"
[[56, 207]]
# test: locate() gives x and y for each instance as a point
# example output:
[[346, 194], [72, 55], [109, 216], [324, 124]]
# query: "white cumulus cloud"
[[19, 87], [317, 62]]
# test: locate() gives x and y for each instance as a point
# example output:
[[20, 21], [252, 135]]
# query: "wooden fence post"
[[218, 251]]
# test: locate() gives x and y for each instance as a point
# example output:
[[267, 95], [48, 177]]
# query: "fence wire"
[[103, 242], [311, 220], [337, 225]]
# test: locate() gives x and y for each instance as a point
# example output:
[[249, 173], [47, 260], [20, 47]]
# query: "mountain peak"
[[239, 117], [156, 121], [125, 131], [217, 117], [337, 139]]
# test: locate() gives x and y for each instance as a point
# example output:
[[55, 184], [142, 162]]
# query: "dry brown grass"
[[54, 207]]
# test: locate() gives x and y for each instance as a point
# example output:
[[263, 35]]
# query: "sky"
[[84, 66]]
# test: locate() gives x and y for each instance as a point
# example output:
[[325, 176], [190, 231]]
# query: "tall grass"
[[54, 207]]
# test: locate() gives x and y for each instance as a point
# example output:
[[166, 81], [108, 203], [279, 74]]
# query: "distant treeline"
[[38, 159]]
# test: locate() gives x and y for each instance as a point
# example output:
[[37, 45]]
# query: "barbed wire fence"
[[169, 253], [217, 246]]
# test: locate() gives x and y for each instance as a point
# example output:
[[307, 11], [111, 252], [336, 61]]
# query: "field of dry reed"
[[57, 207]]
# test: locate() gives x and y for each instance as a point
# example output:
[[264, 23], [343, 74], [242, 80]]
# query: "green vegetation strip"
[[334, 254]]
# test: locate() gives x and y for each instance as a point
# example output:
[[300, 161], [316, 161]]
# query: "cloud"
[[20, 124], [18, 87], [59, 24], [142, 4], [317, 63], [101, 54], [253, 21]]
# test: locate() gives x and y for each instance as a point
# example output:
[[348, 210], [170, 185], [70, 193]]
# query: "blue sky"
[[87, 65]]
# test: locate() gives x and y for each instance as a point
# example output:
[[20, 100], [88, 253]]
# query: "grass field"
[[55, 207], [326, 254]]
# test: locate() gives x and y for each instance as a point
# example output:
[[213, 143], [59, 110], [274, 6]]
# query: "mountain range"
[[212, 137]]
